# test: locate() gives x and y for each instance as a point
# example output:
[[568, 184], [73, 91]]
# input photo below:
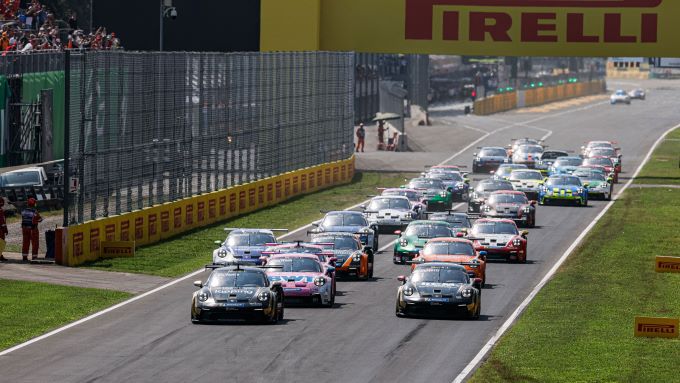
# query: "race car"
[[414, 198], [489, 158], [512, 205], [459, 222], [607, 152], [244, 245], [387, 214], [563, 188], [349, 222], [527, 181], [237, 292], [565, 165], [458, 186], [500, 238], [597, 182], [454, 250], [619, 97], [527, 155], [439, 288], [351, 258], [517, 142], [598, 144], [547, 158], [413, 239], [303, 278], [503, 172], [482, 191], [434, 193], [637, 94], [604, 162]]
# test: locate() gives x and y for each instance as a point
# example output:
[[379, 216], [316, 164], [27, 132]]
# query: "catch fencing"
[[151, 128]]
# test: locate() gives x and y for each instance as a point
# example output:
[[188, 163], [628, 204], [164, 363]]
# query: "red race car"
[[500, 238]]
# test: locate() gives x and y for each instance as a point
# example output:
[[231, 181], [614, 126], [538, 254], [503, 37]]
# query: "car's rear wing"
[[243, 228]]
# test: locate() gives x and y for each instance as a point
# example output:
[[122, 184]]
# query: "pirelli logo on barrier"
[[668, 264], [656, 327], [118, 249]]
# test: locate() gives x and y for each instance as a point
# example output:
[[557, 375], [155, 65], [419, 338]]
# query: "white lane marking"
[[513, 317], [171, 283]]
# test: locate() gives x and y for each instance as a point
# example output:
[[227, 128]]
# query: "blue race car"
[[564, 165], [244, 245], [489, 158], [563, 188]]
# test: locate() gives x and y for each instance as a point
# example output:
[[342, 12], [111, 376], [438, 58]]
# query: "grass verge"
[[30, 309], [664, 166], [191, 251], [580, 326]]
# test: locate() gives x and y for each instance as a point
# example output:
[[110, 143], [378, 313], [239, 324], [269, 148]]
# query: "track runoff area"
[[150, 337]]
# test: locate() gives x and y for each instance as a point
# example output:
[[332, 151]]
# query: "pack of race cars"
[[254, 276]]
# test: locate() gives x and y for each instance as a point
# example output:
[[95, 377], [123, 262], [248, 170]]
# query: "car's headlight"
[[461, 186], [516, 242], [319, 281], [222, 253], [580, 191], [527, 209], [203, 296], [442, 194], [403, 242], [466, 293], [263, 296], [366, 230], [356, 257], [487, 208], [408, 291]]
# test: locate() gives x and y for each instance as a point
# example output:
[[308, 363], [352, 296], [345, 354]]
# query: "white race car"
[[620, 96], [389, 213]]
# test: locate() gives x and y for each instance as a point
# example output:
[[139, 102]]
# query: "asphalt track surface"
[[360, 339]]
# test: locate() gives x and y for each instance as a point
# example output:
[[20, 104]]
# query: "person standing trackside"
[[3, 230], [30, 218], [361, 137]]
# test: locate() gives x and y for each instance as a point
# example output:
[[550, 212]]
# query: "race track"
[[360, 340]]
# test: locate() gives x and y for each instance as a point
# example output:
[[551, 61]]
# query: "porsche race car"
[[244, 245], [548, 158], [351, 258], [482, 192], [500, 238], [349, 222], [597, 182], [414, 197], [605, 163], [565, 165], [434, 193], [563, 188], [303, 278], [459, 222], [454, 250], [503, 172], [387, 214], [512, 205], [489, 158], [527, 181], [413, 239], [527, 155]]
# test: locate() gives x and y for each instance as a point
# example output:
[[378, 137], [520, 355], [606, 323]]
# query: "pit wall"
[[538, 96], [82, 243]]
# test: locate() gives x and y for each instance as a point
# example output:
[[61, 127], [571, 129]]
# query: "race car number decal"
[[285, 278]]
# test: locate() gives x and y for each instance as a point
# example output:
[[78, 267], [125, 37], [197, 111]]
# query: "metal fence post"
[[67, 135]]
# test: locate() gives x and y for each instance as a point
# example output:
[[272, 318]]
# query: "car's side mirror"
[[401, 279], [330, 269], [363, 207], [585, 185], [198, 284], [276, 284], [525, 233], [332, 260]]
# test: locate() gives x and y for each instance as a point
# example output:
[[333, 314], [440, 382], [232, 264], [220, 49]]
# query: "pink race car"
[[303, 277], [327, 258]]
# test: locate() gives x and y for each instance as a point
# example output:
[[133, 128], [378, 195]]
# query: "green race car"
[[416, 235], [599, 184], [433, 192]]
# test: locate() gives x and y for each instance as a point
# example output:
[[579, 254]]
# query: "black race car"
[[237, 292], [482, 192], [489, 158], [459, 222], [439, 288]]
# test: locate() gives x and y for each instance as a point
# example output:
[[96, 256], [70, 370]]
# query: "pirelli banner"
[[82, 243], [475, 27]]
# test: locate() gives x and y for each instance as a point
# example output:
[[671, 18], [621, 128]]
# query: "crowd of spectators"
[[35, 28]]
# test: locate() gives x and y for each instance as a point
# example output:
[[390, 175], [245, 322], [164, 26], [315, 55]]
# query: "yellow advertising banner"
[[668, 264], [118, 249], [476, 27], [656, 327]]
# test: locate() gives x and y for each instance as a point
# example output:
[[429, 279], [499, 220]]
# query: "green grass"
[[580, 326], [30, 309], [191, 251], [664, 166]]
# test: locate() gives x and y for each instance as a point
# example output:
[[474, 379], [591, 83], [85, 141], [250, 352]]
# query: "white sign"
[[73, 185], [669, 62]]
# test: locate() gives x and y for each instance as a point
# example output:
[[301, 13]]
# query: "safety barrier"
[[538, 96], [82, 243]]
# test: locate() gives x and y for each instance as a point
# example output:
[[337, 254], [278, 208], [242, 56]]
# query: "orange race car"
[[460, 251]]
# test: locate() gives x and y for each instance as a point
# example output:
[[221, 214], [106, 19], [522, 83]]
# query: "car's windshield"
[[600, 144], [607, 152], [295, 265], [344, 220], [411, 195], [589, 175], [482, 228], [249, 239], [338, 243], [508, 198], [496, 152], [296, 249], [449, 248], [453, 220], [620, 92], [378, 204], [564, 180], [492, 186], [27, 178], [426, 184], [439, 275], [553, 155], [571, 161], [237, 279], [526, 175], [428, 231], [447, 176], [598, 161], [529, 149]]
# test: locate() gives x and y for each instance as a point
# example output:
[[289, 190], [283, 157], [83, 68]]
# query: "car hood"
[[565, 169], [430, 288], [343, 229], [506, 207], [453, 258], [226, 293], [392, 213], [296, 279], [523, 183], [498, 238], [558, 188], [246, 251], [495, 158]]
